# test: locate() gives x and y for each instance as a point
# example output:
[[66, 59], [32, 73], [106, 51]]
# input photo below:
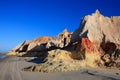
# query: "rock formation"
[[99, 34], [38, 44], [60, 41], [43, 44], [98, 28], [56, 61], [96, 43]]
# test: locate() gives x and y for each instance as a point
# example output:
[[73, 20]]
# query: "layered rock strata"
[[96, 43]]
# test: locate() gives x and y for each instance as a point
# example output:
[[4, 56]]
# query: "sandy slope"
[[11, 69]]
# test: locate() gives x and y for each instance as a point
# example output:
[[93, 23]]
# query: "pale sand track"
[[11, 69]]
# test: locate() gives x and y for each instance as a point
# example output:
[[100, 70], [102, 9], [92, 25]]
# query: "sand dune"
[[11, 69]]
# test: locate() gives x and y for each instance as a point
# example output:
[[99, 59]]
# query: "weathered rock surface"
[[99, 28], [86, 45], [99, 34], [60, 41], [44, 43], [22, 47], [42, 40], [59, 61], [96, 43]]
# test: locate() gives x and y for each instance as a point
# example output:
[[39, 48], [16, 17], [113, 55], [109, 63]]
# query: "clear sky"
[[27, 19]]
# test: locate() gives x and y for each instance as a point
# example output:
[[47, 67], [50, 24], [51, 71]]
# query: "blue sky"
[[27, 19]]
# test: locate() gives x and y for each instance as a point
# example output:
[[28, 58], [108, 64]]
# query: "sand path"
[[11, 69]]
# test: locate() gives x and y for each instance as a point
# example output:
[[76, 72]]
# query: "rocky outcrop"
[[21, 47], [38, 44], [86, 45], [60, 41], [97, 28], [99, 34], [44, 43], [56, 61], [35, 45], [42, 40], [96, 43]]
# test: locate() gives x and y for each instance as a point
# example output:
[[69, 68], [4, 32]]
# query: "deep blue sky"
[[27, 19]]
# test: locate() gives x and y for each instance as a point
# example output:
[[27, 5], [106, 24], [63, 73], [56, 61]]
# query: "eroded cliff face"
[[42, 44], [99, 28], [62, 40], [99, 35], [96, 43]]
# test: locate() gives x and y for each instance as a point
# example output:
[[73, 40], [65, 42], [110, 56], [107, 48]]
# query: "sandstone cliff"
[[96, 43], [98, 28], [44, 43], [100, 35]]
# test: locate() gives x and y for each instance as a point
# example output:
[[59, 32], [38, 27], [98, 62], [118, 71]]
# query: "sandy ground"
[[11, 69]]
